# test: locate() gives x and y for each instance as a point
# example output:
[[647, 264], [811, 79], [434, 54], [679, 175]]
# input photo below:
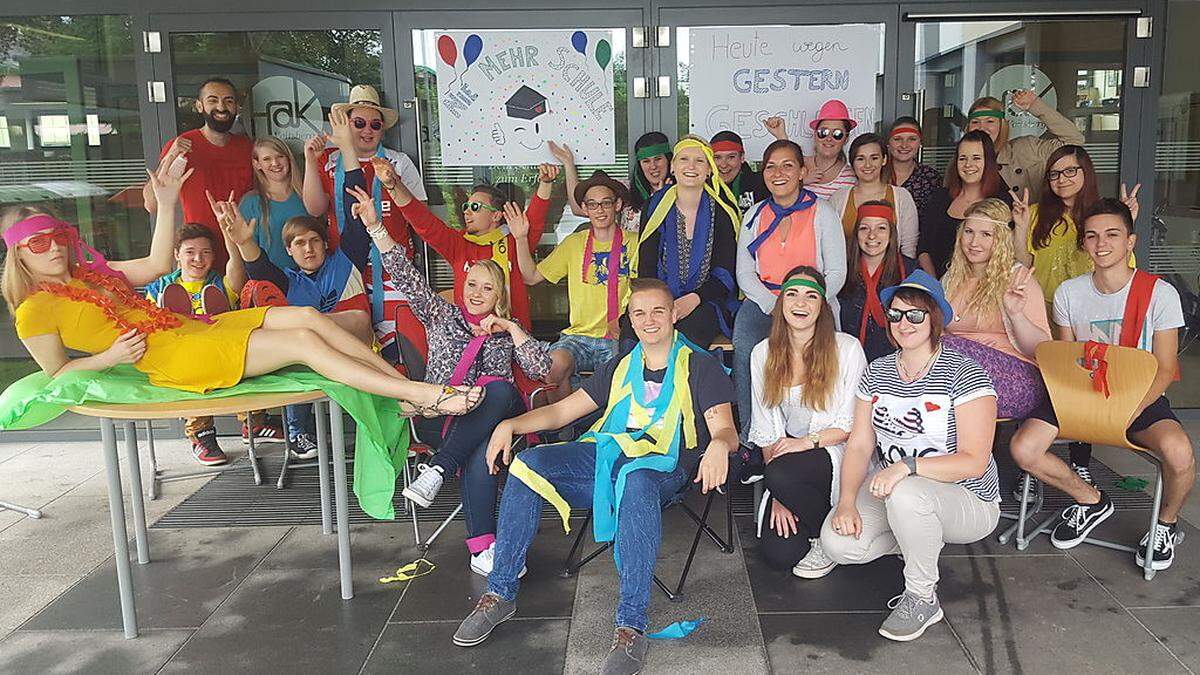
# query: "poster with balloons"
[[504, 95]]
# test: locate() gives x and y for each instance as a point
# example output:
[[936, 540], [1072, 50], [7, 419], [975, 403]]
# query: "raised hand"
[[1016, 295], [562, 153], [1023, 99], [385, 171], [1130, 199], [547, 173], [166, 184], [340, 130], [493, 324], [314, 146], [518, 224], [364, 208], [775, 127], [1020, 209], [230, 219]]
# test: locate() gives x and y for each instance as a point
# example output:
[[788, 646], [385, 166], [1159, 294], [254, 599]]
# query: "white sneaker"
[[482, 562], [814, 565], [424, 489]]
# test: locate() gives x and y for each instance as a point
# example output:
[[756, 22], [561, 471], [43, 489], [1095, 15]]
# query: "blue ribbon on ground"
[[677, 630]]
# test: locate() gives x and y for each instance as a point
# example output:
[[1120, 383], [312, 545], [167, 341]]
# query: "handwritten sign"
[[503, 95], [741, 75]]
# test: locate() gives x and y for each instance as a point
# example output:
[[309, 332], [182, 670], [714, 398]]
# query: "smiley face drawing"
[[524, 107]]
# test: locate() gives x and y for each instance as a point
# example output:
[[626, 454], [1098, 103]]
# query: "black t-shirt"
[[709, 384], [750, 188]]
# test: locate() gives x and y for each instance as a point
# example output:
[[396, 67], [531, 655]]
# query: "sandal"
[[439, 408]]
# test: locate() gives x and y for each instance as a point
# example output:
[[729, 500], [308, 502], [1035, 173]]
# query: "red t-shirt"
[[393, 221], [219, 170]]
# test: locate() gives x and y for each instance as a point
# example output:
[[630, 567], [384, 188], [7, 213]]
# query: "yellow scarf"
[[714, 186], [499, 243]]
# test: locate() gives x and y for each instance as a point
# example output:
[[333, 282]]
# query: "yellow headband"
[[714, 185]]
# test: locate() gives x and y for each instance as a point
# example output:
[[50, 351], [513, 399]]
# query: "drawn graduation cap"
[[526, 104]]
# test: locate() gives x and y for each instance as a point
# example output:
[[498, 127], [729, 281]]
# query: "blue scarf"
[[343, 217], [668, 271], [323, 289], [805, 201]]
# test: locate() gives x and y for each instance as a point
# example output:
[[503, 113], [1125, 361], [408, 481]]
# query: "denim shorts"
[[589, 352]]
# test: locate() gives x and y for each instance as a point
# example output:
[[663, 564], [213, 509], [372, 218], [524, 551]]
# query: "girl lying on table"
[[64, 295]]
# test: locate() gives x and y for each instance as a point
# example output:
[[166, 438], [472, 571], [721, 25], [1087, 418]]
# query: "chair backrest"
[[1084, 414]]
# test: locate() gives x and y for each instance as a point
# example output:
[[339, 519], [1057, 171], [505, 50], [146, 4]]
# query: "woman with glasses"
[[1022, 160], [482, 236], [903, 168], [828, 170], [918, 471], [972, 177], [791, 228], [999, 316], [868, 158]]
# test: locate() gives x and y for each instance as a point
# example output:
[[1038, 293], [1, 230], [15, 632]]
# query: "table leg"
[[323, 468], [116, 509], [340, 498], [135, 493], [152, 493]]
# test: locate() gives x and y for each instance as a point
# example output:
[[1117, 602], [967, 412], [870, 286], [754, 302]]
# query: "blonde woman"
[[274, 199], [1022, 160], [999, 317], [803, 377]]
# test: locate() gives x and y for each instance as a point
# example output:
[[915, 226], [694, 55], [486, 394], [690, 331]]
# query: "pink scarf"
[[85, 256]]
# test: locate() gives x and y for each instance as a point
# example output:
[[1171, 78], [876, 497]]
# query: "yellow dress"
[[1061, 259], [196, 356]]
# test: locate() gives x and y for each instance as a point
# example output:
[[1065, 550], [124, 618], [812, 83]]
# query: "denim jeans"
[[571, 467], [749, 328], [299, 420], [464, 447]]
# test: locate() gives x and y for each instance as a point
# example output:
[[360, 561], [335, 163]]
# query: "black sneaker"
[[304, 446], [1166, 536], [1079, 520], [753, 467], [206, 450], [1019, 490], [1083, 472]]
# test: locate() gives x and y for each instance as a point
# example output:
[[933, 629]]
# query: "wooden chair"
[[1087, 415]]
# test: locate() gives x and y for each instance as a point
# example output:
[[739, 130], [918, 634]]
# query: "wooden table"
[[109, 413]]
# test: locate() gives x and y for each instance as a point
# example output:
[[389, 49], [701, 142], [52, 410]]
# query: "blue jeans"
[[571, 468], [299, 420], [588, 352], [464, 447], [749, 328]]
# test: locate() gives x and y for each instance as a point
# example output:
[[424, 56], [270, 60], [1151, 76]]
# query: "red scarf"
[[874, 308], [1137, 306]]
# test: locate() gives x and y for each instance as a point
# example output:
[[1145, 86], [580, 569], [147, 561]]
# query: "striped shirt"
[[916, 419], [845, 178]]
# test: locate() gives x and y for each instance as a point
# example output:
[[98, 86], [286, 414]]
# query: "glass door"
[[732, 71], [472, 124]]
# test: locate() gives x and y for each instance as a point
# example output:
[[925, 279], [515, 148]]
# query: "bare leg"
[[270, 350], [562, 366], [1031, 449], [289, 318], [1170, 443], [357, 322]]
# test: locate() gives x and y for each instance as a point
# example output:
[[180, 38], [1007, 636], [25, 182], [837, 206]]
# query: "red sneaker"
[[206, 450], [213, 301], [263, 433], [175, 298]]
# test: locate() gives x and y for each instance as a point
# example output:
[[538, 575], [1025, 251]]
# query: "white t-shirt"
[[1093, 315], [917, 419]]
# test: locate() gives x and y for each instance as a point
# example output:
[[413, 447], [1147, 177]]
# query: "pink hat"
[[833, 109]]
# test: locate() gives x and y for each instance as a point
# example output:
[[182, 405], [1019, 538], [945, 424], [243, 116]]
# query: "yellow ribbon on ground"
[[410, 571]]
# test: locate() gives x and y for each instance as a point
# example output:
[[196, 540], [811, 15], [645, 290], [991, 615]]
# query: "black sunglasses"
[[914, 316], [838, 134], [360, 123]]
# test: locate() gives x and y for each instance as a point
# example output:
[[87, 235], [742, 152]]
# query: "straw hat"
[[365, 96]]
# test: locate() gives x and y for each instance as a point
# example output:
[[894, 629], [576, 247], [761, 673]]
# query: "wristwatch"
[[911, 463], [815, 439]]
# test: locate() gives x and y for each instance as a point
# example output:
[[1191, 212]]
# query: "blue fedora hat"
[[922, 281]]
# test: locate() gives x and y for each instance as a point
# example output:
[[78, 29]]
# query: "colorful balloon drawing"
[[603, 54], [579, 42], [448, 50], [472, 48]]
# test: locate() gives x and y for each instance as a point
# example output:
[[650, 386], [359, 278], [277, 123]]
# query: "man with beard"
[[221, 160]]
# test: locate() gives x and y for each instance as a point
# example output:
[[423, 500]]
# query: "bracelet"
[[377, 232]]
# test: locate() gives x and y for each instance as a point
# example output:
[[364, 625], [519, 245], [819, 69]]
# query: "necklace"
[[119, 293], [821, 172], [913, 377]]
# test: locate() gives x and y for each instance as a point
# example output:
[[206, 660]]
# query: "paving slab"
[[1118, 572], [25, 594], [517, 646], [831, 642], [59, 652], [1177, 628]]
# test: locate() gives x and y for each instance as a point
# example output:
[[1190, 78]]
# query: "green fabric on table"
[[381, 440]]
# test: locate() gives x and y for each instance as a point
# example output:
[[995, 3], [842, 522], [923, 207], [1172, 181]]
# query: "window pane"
[[71, 137], [1175, 238]]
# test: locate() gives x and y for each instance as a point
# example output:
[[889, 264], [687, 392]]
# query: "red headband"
[[727, 146], [877, 211], [905, 130]]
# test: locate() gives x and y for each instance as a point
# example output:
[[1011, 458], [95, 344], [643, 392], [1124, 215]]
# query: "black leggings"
[[802, 482]]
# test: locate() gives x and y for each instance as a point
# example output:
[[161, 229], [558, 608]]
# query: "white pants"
[[919, 517]]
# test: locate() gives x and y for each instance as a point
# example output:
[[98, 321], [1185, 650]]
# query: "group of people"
[[866, 390]]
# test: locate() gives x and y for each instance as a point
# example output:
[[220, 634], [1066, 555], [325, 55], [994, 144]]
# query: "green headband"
[[806, 283], [986, 112], [653, 151]]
